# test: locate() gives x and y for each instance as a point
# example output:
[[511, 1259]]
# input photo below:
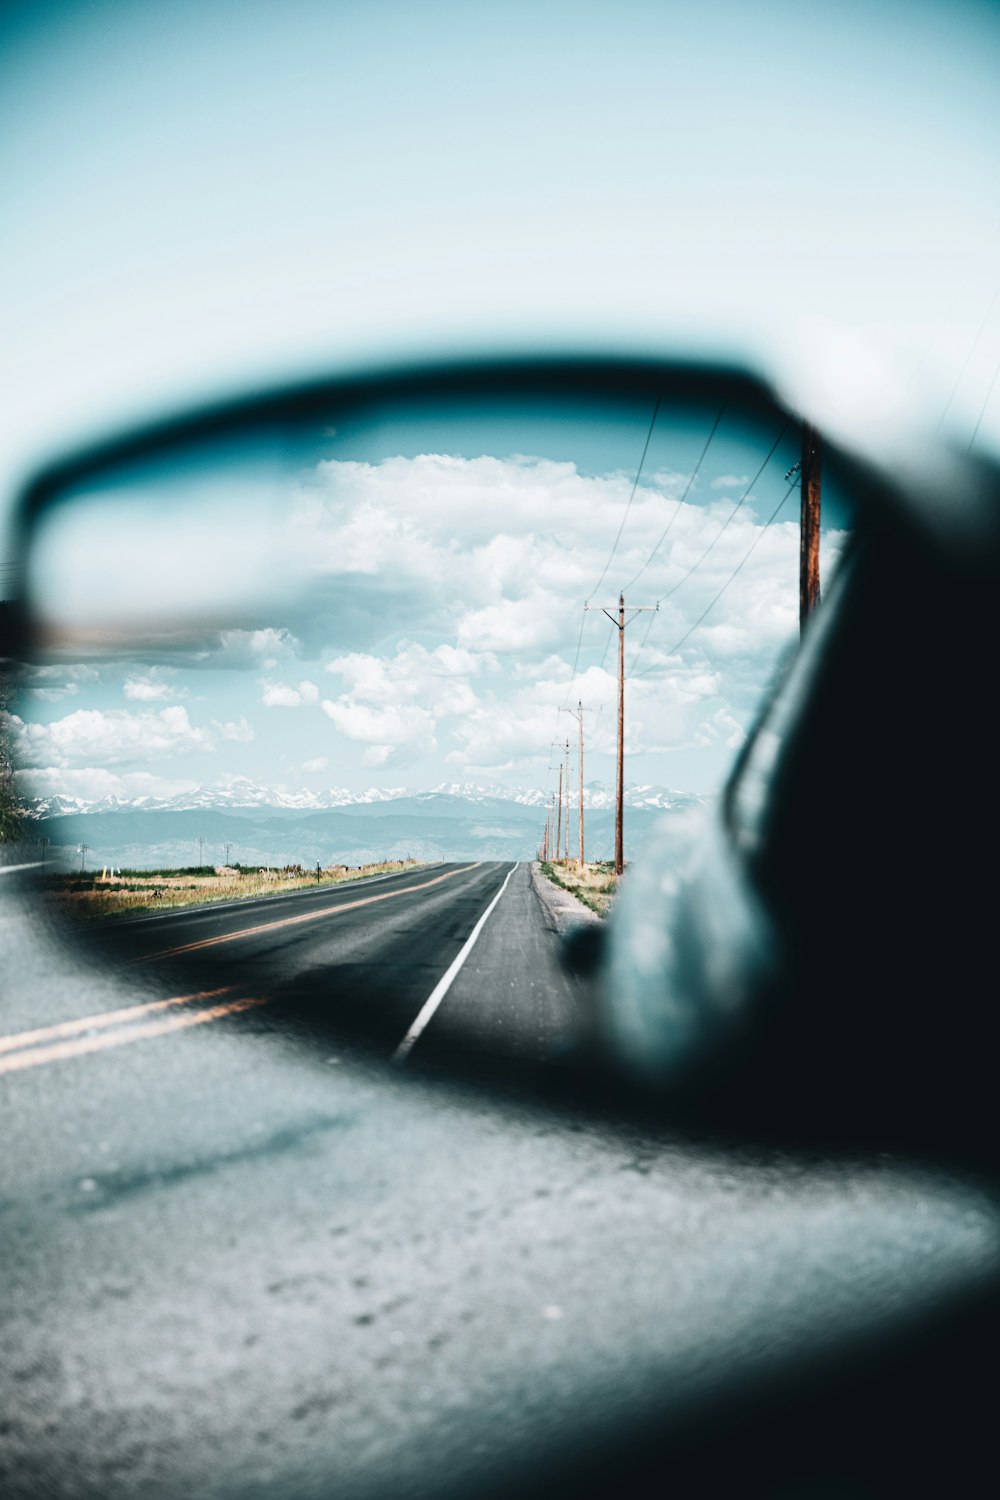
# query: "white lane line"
[[446, 981]]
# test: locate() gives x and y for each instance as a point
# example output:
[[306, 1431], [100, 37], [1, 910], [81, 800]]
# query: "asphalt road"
[[370, 961], [240, 1260]]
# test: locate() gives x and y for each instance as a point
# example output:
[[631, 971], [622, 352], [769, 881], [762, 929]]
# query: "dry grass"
[[595, 885], [94, 895]]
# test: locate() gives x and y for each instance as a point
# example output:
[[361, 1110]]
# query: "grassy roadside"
[[93, 895], [595, 885]]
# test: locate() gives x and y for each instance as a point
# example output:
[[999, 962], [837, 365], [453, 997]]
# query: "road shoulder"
[[561, 910]]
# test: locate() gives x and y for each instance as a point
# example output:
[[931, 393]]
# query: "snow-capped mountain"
[[250, 823], [240, 792]]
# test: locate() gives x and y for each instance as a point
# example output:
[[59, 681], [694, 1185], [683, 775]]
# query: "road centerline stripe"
[[444, 984], [59, 1051], [21, 1039], [309, 916]]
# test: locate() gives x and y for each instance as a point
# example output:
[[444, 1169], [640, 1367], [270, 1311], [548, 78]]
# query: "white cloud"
[[281, 695], [522, 542], [52, 683], [114, 737], [511, 625], [259, 649], [239, 731], [731, 482], [403, 724], [142, 690], [437, 680], [480, 569], [151, 687], [721, 727]]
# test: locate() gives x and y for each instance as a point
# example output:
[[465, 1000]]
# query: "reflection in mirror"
[[304, 705]]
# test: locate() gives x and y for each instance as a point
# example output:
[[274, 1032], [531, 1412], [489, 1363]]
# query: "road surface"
[[448, 961], [240, 1260]]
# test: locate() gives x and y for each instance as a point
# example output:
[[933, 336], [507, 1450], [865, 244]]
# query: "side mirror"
[[367, 602]]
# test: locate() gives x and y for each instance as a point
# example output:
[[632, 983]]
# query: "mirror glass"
[[305, 701]]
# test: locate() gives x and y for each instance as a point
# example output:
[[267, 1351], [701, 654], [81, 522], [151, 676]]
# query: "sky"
[[434, 605], [207, 197]]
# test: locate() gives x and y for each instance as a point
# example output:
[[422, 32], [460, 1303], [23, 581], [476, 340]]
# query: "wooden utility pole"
[[578, 716], [809, 591], [566, 830], [621, 623], [559, 815]]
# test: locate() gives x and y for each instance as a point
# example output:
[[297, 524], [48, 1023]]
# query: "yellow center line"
[[100, 1020], [309, 916], [59, 1051]]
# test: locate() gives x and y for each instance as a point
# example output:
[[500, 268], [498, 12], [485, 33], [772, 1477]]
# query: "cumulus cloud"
[[151, 687], [511, 625], [239, 730], [521, 541], [109, 738], [281, 695], [402, 724], [442, 599], [439, 680], [245, 650], [53, 682]]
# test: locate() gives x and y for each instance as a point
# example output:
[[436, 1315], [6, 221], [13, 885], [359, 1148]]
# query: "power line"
[[739, 566], [677, 509], [614, 545], [687, 491], [576, 658], [696, 565], [635, 486]]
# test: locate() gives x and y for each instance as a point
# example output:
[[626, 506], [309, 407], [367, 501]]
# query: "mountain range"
[[241, 792], [261, 825]]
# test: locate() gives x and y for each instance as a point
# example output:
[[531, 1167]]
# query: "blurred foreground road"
[[242, 1260]]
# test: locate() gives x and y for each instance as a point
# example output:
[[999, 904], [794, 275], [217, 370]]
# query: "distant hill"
[[336, 827]]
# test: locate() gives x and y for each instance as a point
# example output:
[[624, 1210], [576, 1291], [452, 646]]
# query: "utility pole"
[[566, 832], [578, 716], [809, 470], [84, 851], [201, 849], [227, 850], [559, 815], [620, 624]]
